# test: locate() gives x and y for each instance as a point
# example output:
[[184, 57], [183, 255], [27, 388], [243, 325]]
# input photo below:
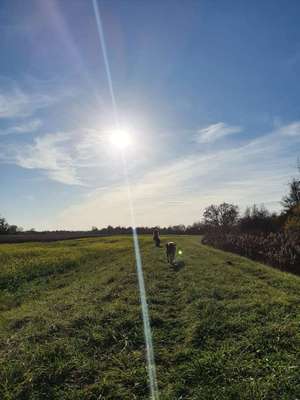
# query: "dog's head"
[[170, 246]]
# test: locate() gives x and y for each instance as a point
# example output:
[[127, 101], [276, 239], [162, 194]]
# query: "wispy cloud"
[[62, 156], [216, 131], [15, 103], [48, 153], [24, 127]]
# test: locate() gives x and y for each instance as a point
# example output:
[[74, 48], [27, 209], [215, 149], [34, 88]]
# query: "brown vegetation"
[[281, 250]]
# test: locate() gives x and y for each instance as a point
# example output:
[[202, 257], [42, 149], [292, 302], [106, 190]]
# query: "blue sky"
[[208, 90]]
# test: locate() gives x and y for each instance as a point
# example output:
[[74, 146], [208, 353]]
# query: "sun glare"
[[120, 139]]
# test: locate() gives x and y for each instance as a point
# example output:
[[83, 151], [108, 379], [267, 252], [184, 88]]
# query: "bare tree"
[[224, 215]]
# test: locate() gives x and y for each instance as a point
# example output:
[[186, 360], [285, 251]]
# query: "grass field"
[[223, 327]]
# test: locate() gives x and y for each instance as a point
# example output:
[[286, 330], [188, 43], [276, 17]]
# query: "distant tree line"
[[255, 219], [196, 228]]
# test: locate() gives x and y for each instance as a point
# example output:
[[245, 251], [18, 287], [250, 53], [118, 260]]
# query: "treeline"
[[258, 234], [14, 234], [197, 228]]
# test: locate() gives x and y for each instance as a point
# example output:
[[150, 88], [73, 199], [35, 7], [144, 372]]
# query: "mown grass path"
[[70, 328]]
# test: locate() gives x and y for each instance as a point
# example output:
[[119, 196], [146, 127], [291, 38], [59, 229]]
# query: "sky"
[[208, 92]]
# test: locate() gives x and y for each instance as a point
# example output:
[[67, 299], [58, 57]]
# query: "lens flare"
[[120, 139], [180, 252]]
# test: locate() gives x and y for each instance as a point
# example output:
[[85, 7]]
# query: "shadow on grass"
[[177, 265]]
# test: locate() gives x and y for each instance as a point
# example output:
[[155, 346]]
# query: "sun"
[[120, 139]]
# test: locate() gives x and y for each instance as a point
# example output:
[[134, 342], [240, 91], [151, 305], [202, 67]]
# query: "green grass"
[[223, 327]]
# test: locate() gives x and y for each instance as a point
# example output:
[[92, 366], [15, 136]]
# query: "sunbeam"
[[122, 140], [106, 62]]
